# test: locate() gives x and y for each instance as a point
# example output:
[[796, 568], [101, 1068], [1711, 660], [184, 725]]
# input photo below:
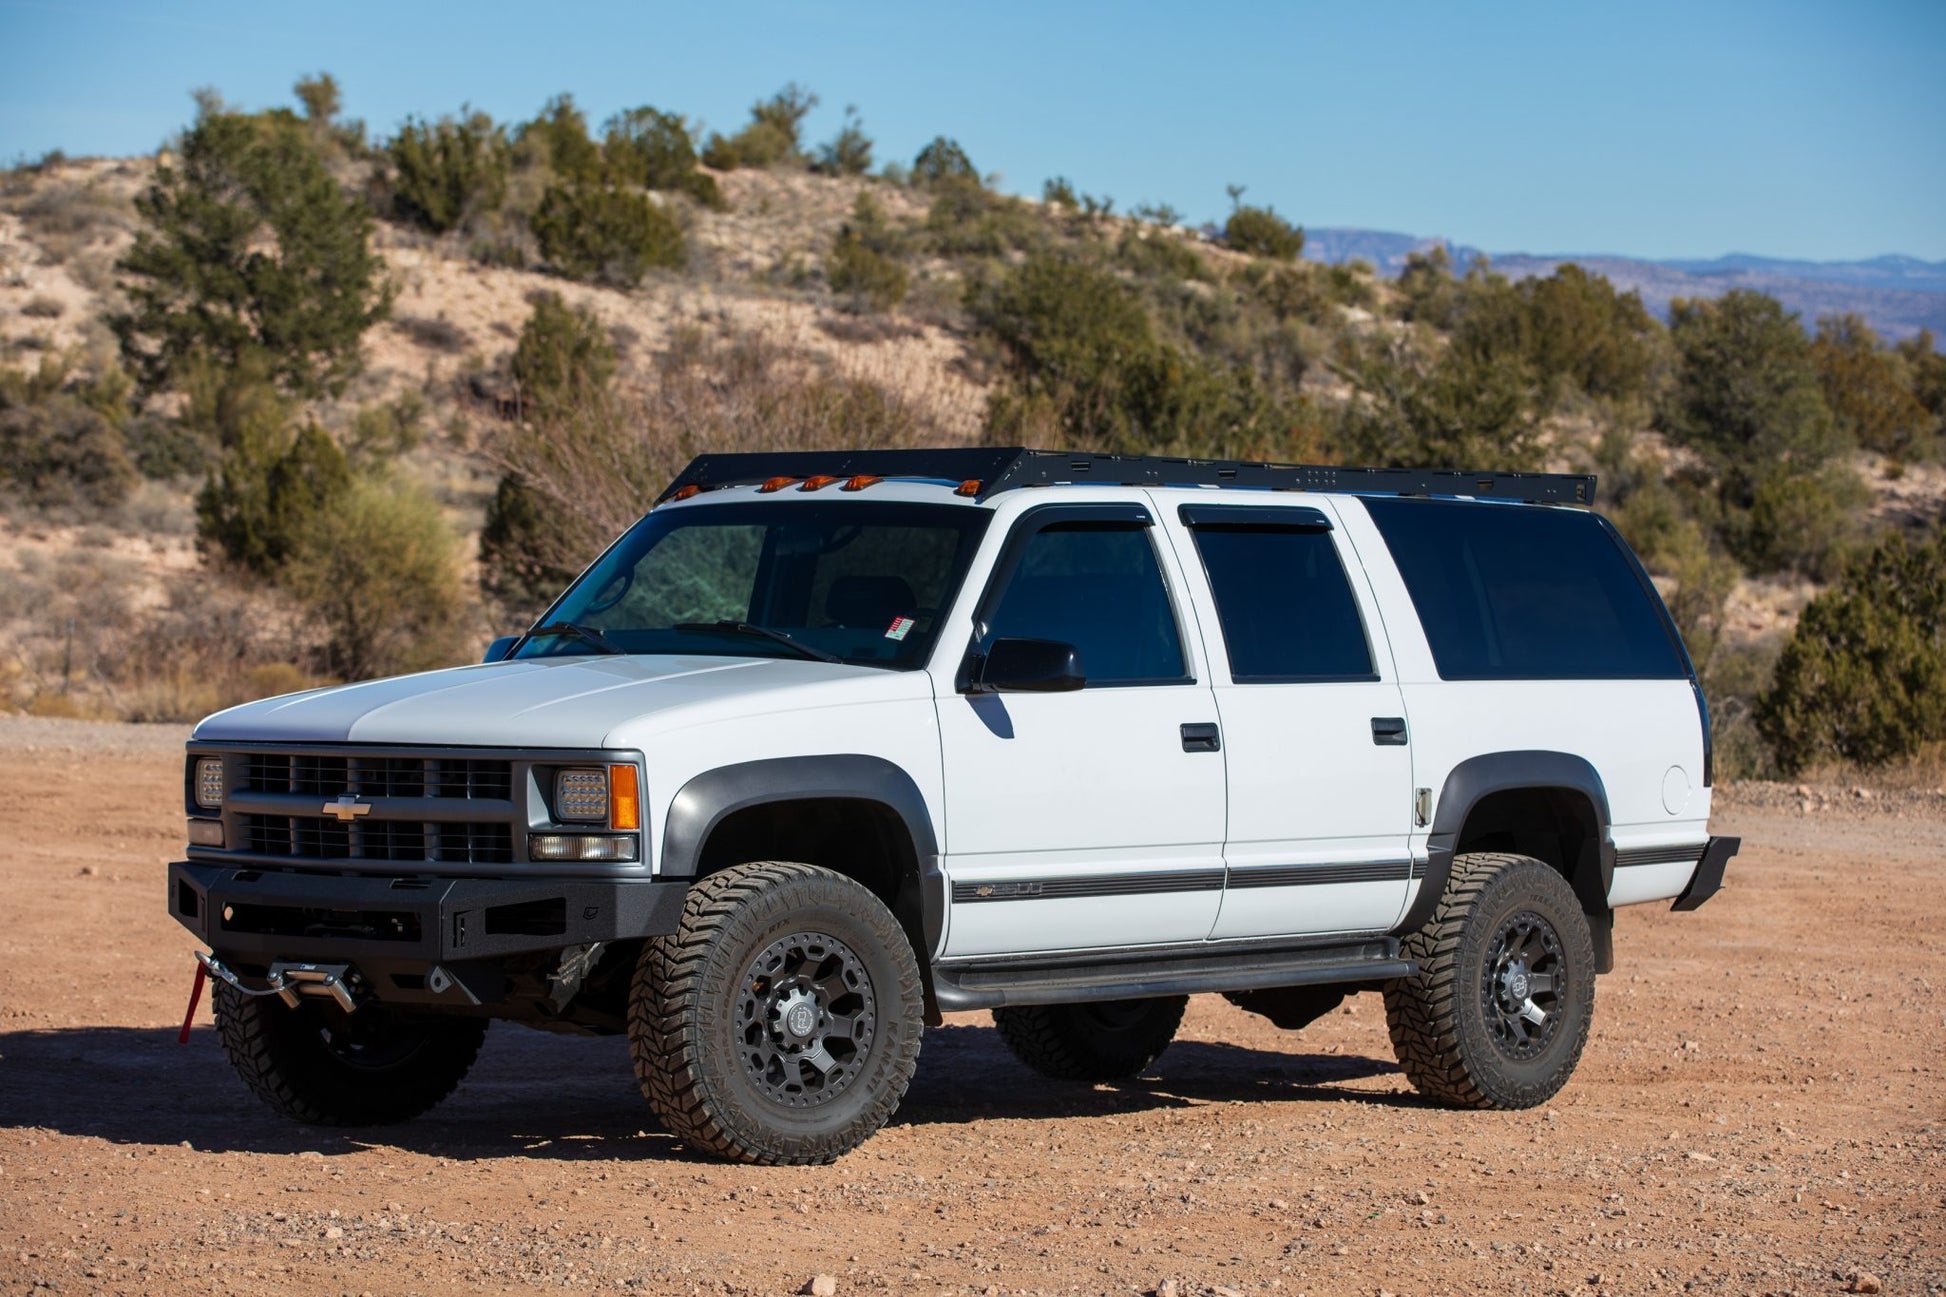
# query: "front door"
[[1088, 819]]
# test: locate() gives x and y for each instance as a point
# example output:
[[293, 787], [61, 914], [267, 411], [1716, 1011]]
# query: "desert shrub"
[[434, 334], [1870, 390], [557, 141], [1801, 521], [1582, 333], [563, 359], [1746, 395], [655, 150], [381, 433], [1261, 232], [1059, 192], [519, 567], [380, 571], [1926, 371], [42, 307], [61, 443], [1863, 678], [163, 448], [266, 492], [1427, 288], [250, 245], [863, 263], [943, 161], [966, 220], [1349, 285], [1420, 408], [445, 174], [1286, 292], [594, 231], [1159, 255], [770, 137], [849, 152]]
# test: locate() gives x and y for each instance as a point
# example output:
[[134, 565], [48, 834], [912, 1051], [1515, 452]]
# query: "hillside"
[[1898, 296], [516, 401]]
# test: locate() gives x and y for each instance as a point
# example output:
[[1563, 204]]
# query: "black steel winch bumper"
[[260, 915]]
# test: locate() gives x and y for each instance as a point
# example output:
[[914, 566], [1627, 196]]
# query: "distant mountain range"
[[1897, 295]]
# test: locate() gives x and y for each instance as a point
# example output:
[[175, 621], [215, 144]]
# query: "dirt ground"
[[1761, 1108]]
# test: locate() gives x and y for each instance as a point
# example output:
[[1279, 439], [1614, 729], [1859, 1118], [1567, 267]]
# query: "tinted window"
[[1512, 592], [1099, 589], [1287, 609]]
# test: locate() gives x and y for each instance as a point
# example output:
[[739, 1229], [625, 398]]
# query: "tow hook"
[[291, 982]]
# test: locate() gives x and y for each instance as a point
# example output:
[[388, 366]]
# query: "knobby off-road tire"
[[780, 1023], [1105, 1041], [328, 1068], [1499, 1010]]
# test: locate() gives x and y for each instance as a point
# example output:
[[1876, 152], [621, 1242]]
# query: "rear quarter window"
[[1515, 592]]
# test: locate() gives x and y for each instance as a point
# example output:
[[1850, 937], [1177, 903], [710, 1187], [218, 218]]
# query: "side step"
[[959, 987]]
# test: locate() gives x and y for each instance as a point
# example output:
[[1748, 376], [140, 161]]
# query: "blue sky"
[[1649, 129]]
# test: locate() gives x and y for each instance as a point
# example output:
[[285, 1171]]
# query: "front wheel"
[[780, 1023], [1499, 1010], [325, 1067]]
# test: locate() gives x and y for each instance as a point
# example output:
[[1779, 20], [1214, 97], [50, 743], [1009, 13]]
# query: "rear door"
[[1314, 728]]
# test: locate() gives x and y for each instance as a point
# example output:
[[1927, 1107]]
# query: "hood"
[[569, 701]]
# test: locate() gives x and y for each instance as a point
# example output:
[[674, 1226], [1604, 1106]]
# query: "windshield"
[[858, 581]]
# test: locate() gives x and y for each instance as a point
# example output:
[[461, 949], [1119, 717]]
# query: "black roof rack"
[[1003, 468]]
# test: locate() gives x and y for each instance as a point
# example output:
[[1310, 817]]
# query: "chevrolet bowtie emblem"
[[347, 808]]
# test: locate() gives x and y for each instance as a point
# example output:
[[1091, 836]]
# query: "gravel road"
[[1761, 1108]]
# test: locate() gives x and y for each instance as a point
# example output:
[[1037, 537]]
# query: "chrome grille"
[[329, 776]]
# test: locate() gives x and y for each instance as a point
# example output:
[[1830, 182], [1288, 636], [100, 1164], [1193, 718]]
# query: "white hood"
[[568, 701]]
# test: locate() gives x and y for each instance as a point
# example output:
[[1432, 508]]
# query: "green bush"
[[380, 570], [266, 491], [250, 245], [593, 231], [1801, 521], [863, 261], [849, 152], [1863, 678], [1261, 232], [1870, 390], [1453, 409], [1059, 192], [60, 442], [966, 220], [1581, 332], [943, 161], [557, 141], [563, 360], [655, 150], [445, 174], [770, 138]]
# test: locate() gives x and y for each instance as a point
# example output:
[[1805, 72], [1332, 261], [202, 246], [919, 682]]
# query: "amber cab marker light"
[[971, 486], [860, 482], [686, 492], [624, 801], [775, 484], [817, 483]]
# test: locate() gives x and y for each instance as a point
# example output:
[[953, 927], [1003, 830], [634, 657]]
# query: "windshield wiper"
[[587, 633], [765, 632]]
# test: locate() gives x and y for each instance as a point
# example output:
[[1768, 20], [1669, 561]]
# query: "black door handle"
[[1201, 738], [1388, 731]]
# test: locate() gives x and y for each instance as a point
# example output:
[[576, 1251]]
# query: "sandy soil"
[[1761, 1109]]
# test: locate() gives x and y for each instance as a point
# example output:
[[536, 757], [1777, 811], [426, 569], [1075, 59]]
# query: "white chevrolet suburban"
[[829, 745]]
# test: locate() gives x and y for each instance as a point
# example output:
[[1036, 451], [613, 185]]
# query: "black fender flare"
[[1477, 778], [711, 797]]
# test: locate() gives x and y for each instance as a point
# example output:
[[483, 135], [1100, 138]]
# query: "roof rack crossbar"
[[1005, 468]]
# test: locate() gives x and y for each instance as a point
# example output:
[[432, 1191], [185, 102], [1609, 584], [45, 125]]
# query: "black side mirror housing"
[[498, 650], [1036, 666]]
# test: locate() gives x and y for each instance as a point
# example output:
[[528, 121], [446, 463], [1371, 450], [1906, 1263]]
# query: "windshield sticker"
[[900, 628]]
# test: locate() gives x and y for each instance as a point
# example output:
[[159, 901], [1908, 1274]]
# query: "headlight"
[[581, 794], [580, 846], [209, 783]]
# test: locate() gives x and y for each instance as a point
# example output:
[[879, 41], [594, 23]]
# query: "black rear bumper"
[[260, 915], [1707, 881]]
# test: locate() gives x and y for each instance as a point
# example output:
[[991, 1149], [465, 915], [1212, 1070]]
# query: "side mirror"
[[1038, 666], [498, 650]]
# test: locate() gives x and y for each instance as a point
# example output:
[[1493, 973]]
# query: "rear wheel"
[[780, 1023], [325, 1067], [1499, 1010], [1103, 1041]]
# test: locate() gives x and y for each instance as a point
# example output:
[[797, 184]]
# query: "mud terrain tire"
[[1106, 1041], [1499, 1010], [780, 1023], [323, 1067]]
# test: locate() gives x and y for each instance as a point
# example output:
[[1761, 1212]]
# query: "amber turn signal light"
[[971, 486], [817, 483], [775, 484], [860, 482], [624, 798]]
